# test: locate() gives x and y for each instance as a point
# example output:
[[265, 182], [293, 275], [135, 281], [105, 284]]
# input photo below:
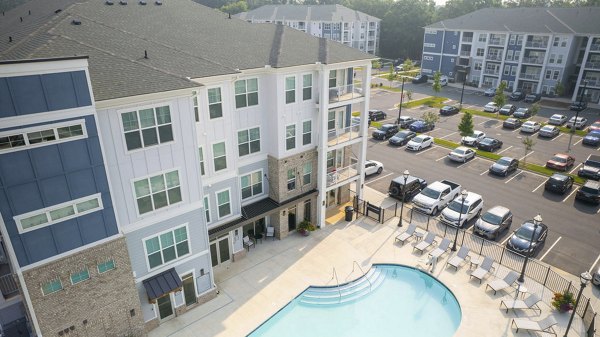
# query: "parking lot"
[[574, 227]]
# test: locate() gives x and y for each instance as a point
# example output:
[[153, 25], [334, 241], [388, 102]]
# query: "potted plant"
[[305, 227], [564, 301]]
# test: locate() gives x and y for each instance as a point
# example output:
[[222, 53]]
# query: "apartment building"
[[196, 135], [335, 22], [534, 49]]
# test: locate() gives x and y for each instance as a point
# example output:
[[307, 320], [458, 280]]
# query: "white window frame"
[[482, 52], [559, 59], [506, 69], [212, 147], [246, 92], [292, 98], [482, 38], [196, 106], [556, 75], [148, 177], [429, 45], [291, 180], [305, 173], [552, 58], [252, 184], [304, 87], [219, 216], [201, 161], [292, 137], [55, 291], [517, 55], [157, 235], [136, 110], [306, 133], [428, 58], [47, 210], [206, 203], [54, 127], [249, 141], [513, 70], [106, 271], [208, 103], [548, 74], [509, 55], [83, 280]]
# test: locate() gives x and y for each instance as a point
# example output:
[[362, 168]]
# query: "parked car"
[[530, 127], [532, 98], [559, 182], [579, 124], [592, 138], [447, 110], [504, 166], [496, 220], [520, 241], [421, 78], [419, 142], [560, 161], [517, 95], [443, 80], [508, 109], [398, 189], [595, 126], [557, 119], [436, 196], [596, 277], [512, 123], [385, 131], [522, 113], [489, 144], [421, 126], [461, 154], [578, 106], [376, 115], [473, 139], [373, 167], [490, 107], [402, 137], [490, 92], [549, 131], [589, 192], [466, 210], [590, 168], [405, 121], [399, 67]]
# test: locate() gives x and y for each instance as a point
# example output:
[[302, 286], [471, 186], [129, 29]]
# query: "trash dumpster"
[[349, 210]]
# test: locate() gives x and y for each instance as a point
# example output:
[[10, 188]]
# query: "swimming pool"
[[390, 300]]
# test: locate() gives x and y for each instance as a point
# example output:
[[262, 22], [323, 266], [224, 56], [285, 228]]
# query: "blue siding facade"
[[451, 42], [430, 63], [448, 65], [435, 39]]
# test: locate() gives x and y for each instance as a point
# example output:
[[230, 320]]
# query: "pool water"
[[390, 300]]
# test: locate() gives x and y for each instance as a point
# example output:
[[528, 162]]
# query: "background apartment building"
[[530, 48], [335, 22], [192, 143]]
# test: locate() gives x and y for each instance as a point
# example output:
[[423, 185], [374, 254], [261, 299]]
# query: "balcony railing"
[[533, 60], [342, 174], [494, 57], [345, 92], [339, 136], [491, 72], [536, 44], [465, 53], [595, 47], [530, 76], [467, 39], [591, 83], [592, 65], [8, 286], [497, 42]]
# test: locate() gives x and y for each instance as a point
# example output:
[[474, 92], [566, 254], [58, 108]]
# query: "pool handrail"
[[337, 282], [362, 273]]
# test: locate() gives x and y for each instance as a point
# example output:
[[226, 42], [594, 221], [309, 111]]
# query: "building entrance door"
[[189, 289], [165, 307], [219, 250], [292, 218]]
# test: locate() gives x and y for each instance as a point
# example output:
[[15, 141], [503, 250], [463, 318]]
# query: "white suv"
[[473, 204], [473, 139]]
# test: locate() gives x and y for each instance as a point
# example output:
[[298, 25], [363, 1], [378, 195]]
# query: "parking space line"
[[594, 264], [504, 241], [570, 194], [484, 172], [444, 157], [579, 141], [549, 249], [515, 130], [574, 168], [448, 135], [499, 126], [500, 152], [527, 155], [467, 162], [374, 180], [543, 182], [555, 138], [429, 149], [513, 177], [482, 122]]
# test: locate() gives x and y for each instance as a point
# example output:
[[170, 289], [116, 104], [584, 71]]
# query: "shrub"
[[563, 301]]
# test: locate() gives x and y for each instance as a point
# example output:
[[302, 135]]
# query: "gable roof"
[[181, 39], [327, 13], [579, 20]]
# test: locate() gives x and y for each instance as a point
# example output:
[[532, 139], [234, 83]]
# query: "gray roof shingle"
[[327, 13], [579, 20], [182, 39]]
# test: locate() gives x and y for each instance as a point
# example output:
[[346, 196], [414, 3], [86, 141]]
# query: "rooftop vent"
[[123, 2], [57, 11], [10, 39], [143, 2], [109, 2], [158, 3], [76, 22]]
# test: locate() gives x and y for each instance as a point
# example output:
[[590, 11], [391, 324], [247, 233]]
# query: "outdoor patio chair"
[[247, 242], [427, 241], [459, 258], [486, 267], [407, 234], [545, 325], [270, 232], [529, 303], [440, 249], [501, 284]]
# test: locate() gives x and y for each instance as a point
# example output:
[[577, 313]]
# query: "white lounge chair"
[[486, 267], [501, 284], [441, 249], [459, 258], [529, 303], [427, 241], [270, 232], [407, 234], [545, 325], [247, 242]]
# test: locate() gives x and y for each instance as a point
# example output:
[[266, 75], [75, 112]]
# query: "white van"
[[443, 80]]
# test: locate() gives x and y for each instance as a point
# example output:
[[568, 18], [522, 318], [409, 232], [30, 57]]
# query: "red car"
[[560, 161], [595, 126]]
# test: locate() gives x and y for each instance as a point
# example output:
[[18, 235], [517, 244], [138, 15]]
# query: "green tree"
[[466, 124], [408, 94], [391, 76], [500, 97], [408, 65], [437, 86], [235, 7], [535, 108], [528, 143], [430, 117], [559, 89], [456, 8]]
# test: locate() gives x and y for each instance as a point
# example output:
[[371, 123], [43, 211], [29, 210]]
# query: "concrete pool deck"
[[274, 272]]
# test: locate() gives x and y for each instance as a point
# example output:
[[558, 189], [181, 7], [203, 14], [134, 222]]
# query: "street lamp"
[[401, 97], [585, 279], [573, 128], [463, 197], [536, 221], [462, 93], [405, 174]]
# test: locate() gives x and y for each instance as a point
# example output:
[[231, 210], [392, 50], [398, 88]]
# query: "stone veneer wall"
[[278, 169], [280, 221], [106, 304]]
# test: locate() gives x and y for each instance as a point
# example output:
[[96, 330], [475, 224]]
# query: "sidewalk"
[[275, 272]]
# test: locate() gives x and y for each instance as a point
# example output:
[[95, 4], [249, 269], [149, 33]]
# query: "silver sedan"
[[549, 131]]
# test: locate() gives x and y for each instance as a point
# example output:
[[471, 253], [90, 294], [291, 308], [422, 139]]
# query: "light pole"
[[573, 128], [536, 221], [401, 97], [463, 197], [405, 174], [585, 279], [462, 93]]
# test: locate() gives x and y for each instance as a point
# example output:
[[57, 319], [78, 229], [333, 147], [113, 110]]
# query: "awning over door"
[[161, 284]]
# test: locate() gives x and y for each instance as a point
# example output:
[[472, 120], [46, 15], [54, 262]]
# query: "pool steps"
[[349, 292]]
